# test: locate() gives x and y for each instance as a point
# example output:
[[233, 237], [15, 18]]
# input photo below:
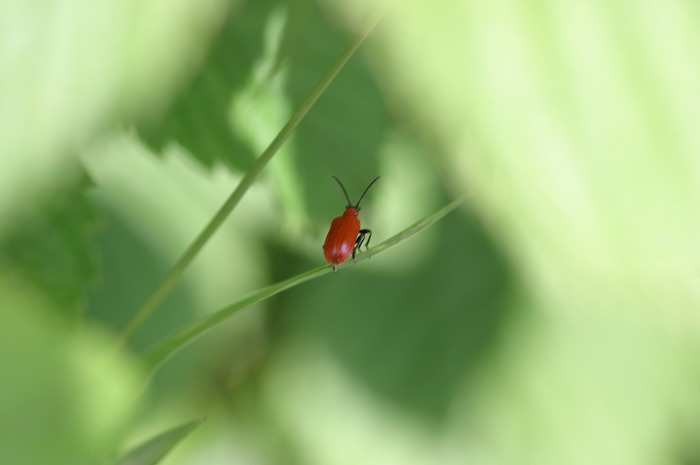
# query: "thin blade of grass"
[[183, 262], [414, 228], [172, 344], [154, 449]]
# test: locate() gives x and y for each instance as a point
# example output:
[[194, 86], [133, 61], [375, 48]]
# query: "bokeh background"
[[551, 320]]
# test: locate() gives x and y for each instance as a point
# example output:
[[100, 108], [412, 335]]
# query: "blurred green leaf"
[[53, 249], [577, 123], [154, 449], [71, 70], [66, 397], [345, 132], [199, 119], [262, 67], [151, 208], [413, 341]]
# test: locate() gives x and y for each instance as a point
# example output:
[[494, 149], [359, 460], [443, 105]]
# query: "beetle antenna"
[[357, 205], [344, 191]]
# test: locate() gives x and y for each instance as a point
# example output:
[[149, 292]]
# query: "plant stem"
[[181, 265], [189, 333]]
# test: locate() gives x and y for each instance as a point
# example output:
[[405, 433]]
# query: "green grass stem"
[[174, 343], [173, 276]]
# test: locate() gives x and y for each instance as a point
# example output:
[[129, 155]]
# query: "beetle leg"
[[354, 249], [364, 233], [358, 242], [368, 233]]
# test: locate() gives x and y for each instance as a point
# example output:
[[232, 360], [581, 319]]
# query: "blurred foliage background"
[[552, 320]]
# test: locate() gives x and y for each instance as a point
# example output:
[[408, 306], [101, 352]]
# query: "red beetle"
[[345, 236]]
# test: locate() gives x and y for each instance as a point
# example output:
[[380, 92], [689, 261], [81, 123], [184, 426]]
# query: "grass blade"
[[183, 262], [154, 449], [172, 344]]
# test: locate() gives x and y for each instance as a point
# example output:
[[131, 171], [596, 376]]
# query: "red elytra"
[[345, 236]]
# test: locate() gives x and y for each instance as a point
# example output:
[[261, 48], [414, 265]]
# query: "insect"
[[345, 236]]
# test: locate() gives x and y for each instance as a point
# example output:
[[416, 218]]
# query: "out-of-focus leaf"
[[66, 395], [345, 132], [577, 122], [200, 118], [53, 249], [411, 342], [263, 67], [154, 449], [69, 70], [152, 207]]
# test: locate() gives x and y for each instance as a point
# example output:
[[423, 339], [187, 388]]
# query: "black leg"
[[368, 233], [364, 233]]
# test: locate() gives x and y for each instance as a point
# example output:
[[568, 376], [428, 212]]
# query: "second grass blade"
[[172, 344], [184, 261]]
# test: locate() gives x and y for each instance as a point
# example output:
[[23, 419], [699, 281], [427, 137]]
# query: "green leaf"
[[53, 249], [66, 396], [199, 118], [262, 66], [578, 126], [347, 131], [60, 91], [154, 449], [171, 345]]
